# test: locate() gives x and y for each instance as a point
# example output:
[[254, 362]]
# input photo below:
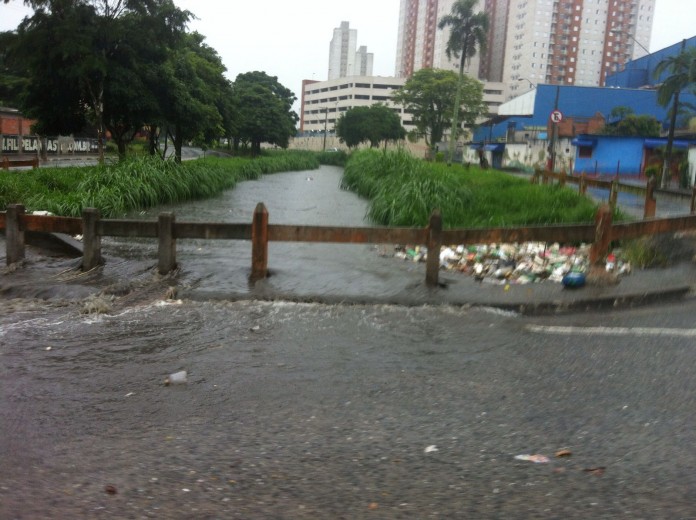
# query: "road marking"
[[613, 331]]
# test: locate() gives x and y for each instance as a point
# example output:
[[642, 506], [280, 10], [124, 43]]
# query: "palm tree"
[[682, 69], [468, 31]]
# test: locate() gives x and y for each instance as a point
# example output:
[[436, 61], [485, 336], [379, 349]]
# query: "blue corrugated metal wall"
[[612, 154], [639, 73]]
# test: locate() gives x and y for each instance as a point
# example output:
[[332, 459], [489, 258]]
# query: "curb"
[[625, 301]]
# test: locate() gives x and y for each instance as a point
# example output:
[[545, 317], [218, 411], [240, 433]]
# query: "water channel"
[[301, 198]]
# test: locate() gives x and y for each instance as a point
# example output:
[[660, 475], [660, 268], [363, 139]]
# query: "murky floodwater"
[[302, 198]]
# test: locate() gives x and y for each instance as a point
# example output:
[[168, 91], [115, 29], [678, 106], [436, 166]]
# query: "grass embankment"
[[403, 191], [138, 183]]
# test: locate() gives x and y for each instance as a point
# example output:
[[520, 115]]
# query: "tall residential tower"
[[568, 42], [344, 60]]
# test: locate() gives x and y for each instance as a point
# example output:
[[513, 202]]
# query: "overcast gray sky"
[[290, 39]]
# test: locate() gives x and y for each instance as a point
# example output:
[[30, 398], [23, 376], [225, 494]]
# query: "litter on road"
[[536, 459], [522, 263]]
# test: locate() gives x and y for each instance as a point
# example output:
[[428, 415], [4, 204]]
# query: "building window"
[[585, 152]]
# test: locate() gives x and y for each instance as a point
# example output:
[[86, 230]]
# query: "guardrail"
[[167, 231], [614, 186]]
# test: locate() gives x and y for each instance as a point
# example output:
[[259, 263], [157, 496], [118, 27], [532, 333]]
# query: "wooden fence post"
[[536, 176], [14, 233], [582, 186], [259, 243], [650, 202], [562, 180], [432, 266], [600, 246], [693, 200], [614, 193], [91, 240], [167, 243], [544, 177]]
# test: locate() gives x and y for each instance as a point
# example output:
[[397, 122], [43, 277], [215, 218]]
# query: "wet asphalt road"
[[313, 411]]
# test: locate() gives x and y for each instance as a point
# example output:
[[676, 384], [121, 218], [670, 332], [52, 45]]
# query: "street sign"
[[556, 116]]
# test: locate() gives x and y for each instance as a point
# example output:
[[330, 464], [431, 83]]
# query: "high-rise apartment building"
[[342, 51], [565, 42], [363, 62], [344, 60]]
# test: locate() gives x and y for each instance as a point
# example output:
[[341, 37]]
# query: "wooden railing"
[[167, 231], [6, 163], [614, 186]]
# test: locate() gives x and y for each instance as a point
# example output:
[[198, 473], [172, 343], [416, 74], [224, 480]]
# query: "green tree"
[[350, 126], [682, 74], [373, 124], [633, 125], [468, 30], [191, 80], [429, 96], [88, 62], [621, 112], [49, 44], [150, 31], [264, 111], [13, 80]]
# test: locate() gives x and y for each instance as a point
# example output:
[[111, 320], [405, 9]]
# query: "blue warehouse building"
[[521, 134]]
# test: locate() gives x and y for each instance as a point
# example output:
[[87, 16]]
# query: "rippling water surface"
[[304, 198]]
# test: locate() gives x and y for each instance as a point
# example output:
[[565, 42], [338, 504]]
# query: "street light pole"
[[619, 31], [532, 86]]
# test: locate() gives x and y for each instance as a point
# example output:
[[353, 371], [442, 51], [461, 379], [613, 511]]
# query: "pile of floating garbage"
[[523, 263]]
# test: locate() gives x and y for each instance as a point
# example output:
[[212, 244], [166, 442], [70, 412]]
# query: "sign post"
[[556, 117]]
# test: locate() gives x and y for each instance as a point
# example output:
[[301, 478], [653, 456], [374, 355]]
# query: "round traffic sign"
[[556, 116]]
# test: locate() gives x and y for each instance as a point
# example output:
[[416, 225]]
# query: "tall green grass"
[[339, 158], [403, 191], [138, 183]]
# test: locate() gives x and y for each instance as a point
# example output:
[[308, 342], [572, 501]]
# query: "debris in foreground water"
[[177, 378], [536, 459]]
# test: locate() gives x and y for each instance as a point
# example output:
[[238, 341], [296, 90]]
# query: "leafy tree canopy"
[[621, 112], [264, 110], [121, 65], [13, 79], [372, 124], [468, 30], [634, 125], [682, 74], [429, 96]]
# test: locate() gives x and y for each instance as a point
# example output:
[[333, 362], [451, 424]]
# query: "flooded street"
[[320, 411], [314, 411]]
